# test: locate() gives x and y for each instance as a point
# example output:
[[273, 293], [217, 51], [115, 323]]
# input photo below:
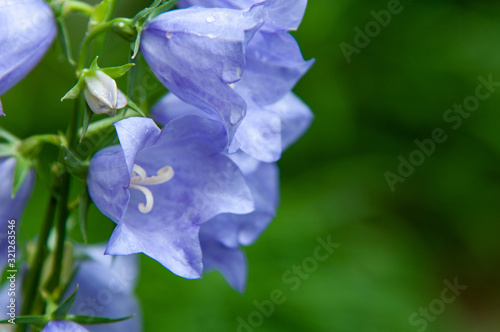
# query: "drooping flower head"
[[11, 208], [197, 53], [270, 61], [27, 29], [273, 60], [222, 236], [159, 186]]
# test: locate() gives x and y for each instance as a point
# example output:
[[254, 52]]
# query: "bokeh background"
[[396, 247]]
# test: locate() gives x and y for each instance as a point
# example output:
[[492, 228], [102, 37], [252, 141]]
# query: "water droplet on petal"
[[169, 35], [211, 35], [210, 19], [231, 85], [235, 117]]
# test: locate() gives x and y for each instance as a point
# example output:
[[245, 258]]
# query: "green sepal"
[[116, 72], [62, 310], [161, 9], [83, 209], [32, 320], [76, 167], [133, 106], [21, 171], [93, 320], [87, 117], [77, 89]]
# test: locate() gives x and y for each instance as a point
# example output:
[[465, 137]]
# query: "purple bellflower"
[[11, 208], [198, 53], [105, 289], [222, 236], [27, 29], [264, 132], [273, 60], [159, 186]]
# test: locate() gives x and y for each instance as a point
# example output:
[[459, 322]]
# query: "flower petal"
[[63, 326], [107, 180], [296, 117], [11, 208], [231, 262], [27, 29], [283, 14], [136, 134], [274, 65]]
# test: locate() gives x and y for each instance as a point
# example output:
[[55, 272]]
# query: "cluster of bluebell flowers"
[[188, 186]]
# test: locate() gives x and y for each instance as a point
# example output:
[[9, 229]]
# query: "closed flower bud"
[[102, 94]]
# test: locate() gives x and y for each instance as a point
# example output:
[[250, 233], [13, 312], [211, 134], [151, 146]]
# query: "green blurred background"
[[396, 248]]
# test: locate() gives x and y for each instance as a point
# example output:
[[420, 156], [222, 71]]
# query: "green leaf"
[[133, 106], [33, 320], [20, 173], [100, 13], [93, 320], [62, 310], [115, 72], [83, 209]]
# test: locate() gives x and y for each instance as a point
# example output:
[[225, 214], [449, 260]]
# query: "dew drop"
[[235, 117], [210, 19], [169, 35], [211, 35]]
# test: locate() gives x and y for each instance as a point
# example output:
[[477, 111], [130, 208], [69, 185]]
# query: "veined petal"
[[274, 65], [231, 262]]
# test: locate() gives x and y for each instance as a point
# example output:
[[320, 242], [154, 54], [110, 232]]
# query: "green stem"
[[115, 24], [32, 282], [62, 211], [62, 216], [77, 6]]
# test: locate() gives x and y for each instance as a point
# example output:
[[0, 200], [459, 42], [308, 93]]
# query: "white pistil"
[[140, 179]]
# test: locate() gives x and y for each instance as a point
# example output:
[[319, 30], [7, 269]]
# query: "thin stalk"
[[34, 273], [62, 211], [77, 6]]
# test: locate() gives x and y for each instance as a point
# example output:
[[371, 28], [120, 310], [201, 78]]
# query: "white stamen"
[[140, 179]]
